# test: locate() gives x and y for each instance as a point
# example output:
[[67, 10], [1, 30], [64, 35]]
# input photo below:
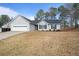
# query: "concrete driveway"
[[5, 35]]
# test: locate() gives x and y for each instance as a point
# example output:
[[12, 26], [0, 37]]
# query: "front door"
[[36, 27], [49, 27], [58, 27]]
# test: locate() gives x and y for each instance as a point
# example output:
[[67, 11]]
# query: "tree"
[[52, 12], [4, 19], [68, 6], [47, 16], [64, 13], [76, 5], [76, 13], [40, 14]]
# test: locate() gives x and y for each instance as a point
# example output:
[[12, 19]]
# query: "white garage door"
[[20, 28]]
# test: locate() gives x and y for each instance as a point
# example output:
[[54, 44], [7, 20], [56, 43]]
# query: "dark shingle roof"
[[48, 21], [35, 22], [53, 21]]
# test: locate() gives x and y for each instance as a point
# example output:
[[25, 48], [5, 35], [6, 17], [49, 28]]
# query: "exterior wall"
[[32, 27], [51, 27], [0, 30], [43, 23], [78, 23], [19, 21], [58, 26], [69, 21]]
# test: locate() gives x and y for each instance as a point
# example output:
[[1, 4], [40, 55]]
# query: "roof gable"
[[22, 17], [42, 22], [26, 19]]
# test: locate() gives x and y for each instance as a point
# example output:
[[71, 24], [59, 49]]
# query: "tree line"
[[65, 11], [4, 19]]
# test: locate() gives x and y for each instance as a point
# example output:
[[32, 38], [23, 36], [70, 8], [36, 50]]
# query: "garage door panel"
[[20, 28]]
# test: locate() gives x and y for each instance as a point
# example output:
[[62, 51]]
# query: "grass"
[[41, 43]]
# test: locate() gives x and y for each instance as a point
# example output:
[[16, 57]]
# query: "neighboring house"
[[20, 23]]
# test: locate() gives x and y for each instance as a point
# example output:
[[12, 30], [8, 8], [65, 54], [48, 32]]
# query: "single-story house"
[[47, 25], [21, 23]]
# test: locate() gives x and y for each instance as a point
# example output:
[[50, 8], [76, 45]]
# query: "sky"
[[26, 9]]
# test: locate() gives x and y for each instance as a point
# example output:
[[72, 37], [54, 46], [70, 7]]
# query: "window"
[[53, 26], [42, 26], [45, 26]]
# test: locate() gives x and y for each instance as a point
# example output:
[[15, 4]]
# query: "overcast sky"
[[26, 9]]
